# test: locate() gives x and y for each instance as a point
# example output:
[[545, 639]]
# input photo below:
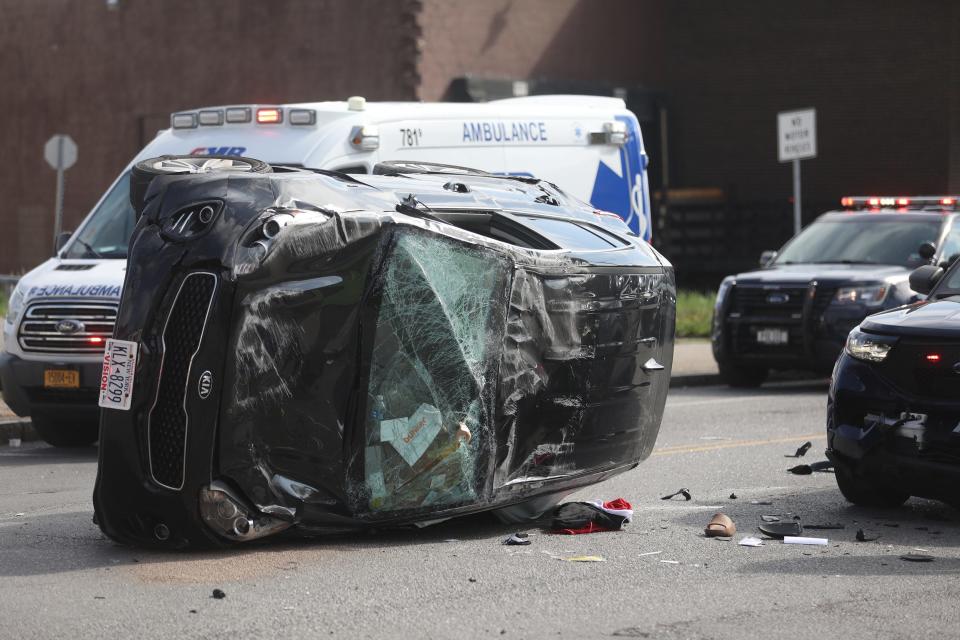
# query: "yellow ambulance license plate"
[[61, 379]]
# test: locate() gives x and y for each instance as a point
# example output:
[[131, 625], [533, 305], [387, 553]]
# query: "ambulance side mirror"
[[62, 241]]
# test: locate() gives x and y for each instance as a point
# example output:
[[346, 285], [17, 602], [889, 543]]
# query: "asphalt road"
[[661, 578]]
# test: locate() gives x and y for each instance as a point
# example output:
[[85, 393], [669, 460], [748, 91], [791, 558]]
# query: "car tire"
[[743, 377], [867, 491], [61, 432], [143, 173]]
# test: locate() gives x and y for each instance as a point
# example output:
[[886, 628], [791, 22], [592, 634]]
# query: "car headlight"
[[724, 290], [869, 295], [15, 305], [869, 347]]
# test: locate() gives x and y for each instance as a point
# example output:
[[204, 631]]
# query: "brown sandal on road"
[[720, 526]]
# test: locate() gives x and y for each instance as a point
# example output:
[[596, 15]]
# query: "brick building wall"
[[110, 79]]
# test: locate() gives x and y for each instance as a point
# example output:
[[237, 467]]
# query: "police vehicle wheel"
[[743, 377], [143, 173], [867, 491], [66, 433]]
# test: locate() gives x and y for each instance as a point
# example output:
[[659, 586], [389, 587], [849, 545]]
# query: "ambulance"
[[61, 313]]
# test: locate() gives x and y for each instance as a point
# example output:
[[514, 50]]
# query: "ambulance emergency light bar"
[[900, 202], [242, 115]]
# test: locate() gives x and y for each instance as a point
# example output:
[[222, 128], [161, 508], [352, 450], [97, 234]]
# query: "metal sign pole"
[[58, 206], [796, 196]]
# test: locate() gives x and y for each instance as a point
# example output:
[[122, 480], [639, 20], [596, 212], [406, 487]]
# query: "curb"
[[17, 428], [695, 380]]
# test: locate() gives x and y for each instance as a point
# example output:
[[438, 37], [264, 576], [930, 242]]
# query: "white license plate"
[[116, 381], [773, 336]]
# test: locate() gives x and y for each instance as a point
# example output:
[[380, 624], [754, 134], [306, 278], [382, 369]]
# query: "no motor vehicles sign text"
[[797, 135]]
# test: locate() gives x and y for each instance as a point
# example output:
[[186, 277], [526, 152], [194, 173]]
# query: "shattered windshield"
[[875, 241], [106, 233]]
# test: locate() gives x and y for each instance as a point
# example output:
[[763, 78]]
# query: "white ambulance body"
[[61, 312]]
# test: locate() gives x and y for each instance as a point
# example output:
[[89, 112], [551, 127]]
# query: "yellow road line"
[[696, 448]]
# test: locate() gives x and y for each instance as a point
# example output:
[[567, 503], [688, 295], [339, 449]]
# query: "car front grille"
[[182, 334], [67, 326], [908, 368], [769, 301]]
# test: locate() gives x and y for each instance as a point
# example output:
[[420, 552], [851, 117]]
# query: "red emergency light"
[[95, 340], [933, 357]]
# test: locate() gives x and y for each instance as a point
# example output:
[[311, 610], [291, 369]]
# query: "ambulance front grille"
[[67, 326]]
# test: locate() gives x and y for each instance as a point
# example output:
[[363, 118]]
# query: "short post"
[[58, 204], [60, 152]]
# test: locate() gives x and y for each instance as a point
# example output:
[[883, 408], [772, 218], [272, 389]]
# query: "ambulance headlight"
[[16, 304]]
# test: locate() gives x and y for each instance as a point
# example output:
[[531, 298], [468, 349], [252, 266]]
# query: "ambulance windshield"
[[107, 231]]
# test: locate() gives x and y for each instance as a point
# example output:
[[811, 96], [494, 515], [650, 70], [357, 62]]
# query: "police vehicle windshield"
[[858, 241], [106, 233]]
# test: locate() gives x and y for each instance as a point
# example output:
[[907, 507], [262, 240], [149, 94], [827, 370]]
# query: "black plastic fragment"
[[801, 470], [733, 496], [862, 537], [776, 527], [828, 525], [683, 492], [802, 451], [218, 594]]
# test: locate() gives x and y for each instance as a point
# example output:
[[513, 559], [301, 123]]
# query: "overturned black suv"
[[316, 352], [893, 414], [796, 311]]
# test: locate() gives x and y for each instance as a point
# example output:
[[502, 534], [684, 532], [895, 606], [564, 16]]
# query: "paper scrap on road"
[[650, 553], [586, 559], [805, 540], [751, 541]]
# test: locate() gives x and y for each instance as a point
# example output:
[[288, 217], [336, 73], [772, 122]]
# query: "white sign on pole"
[[797, 135], [60, 152]]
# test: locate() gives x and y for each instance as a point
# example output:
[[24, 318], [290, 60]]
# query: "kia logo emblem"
[[778, 298], [69, 327], [205, 385]]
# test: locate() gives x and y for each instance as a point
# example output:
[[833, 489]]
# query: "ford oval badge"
[[778, 297]]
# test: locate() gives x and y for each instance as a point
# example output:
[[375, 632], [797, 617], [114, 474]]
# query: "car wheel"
[[143, 173], [62, 432], [743, 377], [867, 491]]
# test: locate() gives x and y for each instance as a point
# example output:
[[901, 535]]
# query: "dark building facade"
[[883, 75]]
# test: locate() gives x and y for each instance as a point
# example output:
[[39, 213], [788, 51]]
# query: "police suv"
[[62, 312], [795, 311]]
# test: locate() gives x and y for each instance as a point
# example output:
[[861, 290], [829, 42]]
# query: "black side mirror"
[[62, 241], [923, 279], [767, 257], [926, 251]]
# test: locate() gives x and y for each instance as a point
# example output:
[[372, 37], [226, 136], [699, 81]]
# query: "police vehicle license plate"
[[773, 336], [116, 381]]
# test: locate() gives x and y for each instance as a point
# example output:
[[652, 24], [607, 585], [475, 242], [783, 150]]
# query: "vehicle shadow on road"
[[42, 454], [64, 542]]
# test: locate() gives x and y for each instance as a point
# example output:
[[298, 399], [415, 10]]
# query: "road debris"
[[805, 540], [828, 525], [777, 526], [917, 557], [683, 492], [518, 538], [586, 559], [733, 496], [765, 503], [574, 518], [218, 594], [807, 469], [802, 451], [862, 537], [670, 561], [751, 541], [720, 525], [649, 553]]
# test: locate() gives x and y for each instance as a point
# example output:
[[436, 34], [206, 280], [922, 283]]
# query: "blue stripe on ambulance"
[[625, 194]]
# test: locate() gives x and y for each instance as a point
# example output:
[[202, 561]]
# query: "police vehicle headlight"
[[15, 306], [868, 295], [869, 347], [724, 290]]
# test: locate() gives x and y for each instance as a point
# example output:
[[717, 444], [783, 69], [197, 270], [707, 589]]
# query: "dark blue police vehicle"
[[893, 414], [795, 311]]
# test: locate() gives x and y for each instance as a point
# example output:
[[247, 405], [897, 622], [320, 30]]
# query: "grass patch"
[[3, 304], [694, 312]]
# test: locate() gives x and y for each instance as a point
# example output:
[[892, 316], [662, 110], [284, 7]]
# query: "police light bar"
[[899, 202]]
